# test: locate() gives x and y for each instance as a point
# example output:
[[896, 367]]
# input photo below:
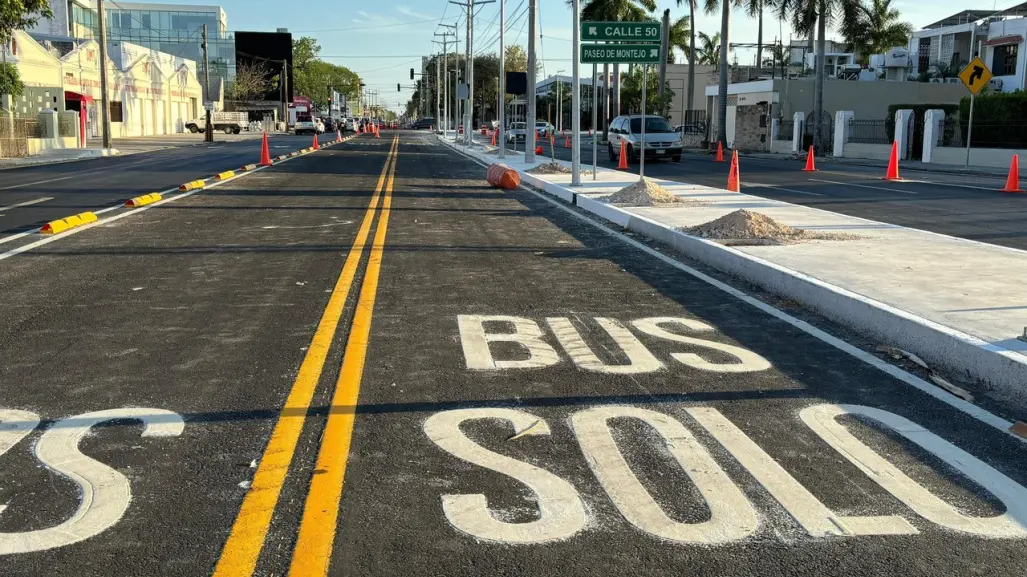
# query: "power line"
[[369, 27]]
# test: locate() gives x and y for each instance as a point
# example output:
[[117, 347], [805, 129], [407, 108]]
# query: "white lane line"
[[914, 381], [26, 203], [76, 230], [864, 186], [774, 186], [37, 182]]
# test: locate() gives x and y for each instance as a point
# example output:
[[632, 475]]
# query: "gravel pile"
[[550, 168], [642, 193], [743, 227]]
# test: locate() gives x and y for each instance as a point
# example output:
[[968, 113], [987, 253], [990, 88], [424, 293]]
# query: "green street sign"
[[620, 53], [621, 31]]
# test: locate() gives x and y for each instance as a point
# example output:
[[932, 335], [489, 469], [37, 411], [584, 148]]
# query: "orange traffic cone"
[[1013, 181], [810, 166], [493, 139], [720, 152], [734, 183], [623, 164], [316, 146], [566, 142], [338, 135], [265, 154], [377, 132], [893, 163]]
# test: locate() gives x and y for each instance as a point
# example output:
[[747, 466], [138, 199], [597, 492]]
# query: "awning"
[[69, 95], [1001, 40]]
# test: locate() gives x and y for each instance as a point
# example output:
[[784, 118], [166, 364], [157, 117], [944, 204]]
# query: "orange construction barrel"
[[502, 176]]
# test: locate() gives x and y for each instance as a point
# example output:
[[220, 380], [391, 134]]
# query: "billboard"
[[268, 49]]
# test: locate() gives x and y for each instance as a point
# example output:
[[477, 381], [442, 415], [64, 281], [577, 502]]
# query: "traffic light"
[[398, 88], [411, 74]]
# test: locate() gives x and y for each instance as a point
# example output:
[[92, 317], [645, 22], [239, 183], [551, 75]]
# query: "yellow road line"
[[320, 513], [241, 551]]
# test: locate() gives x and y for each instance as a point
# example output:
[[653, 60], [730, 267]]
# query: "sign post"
[[975, 76], [635, 43]]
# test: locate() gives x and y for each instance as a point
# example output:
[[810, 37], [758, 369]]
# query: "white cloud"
[[407, 11]]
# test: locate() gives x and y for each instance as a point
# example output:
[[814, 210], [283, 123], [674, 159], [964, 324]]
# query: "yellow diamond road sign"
[[976, 75]]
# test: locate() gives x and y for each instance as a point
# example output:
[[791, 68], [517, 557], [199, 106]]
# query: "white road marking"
[[526, 333], [561, 512], [1013, 523], [640, 360], [863, 186], [38, 182], [750, 361], [19, 235], [813, 515], [774, 186], [104, 493], [26, 203], [732, 517]]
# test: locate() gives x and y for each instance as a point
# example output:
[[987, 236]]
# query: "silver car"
[[660, 139], [517, 131]]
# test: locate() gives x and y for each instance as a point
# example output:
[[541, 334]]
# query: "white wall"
[[1006, 28], [863, 150], [991, 157]]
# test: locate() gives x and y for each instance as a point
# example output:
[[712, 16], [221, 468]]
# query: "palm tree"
[[874, 27], [807, 16], [614, 10], [709, 49], [754, 8], [692, 5], [711, 6], [680, 32]]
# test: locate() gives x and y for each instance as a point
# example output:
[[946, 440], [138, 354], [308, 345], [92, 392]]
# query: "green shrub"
[[10, 80]]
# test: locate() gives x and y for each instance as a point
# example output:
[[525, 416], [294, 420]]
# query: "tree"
[[754, 8], [312, 76], [873, 27], [515, 59], [709, 49], [18, 15], [725, 23], [692, 5], [251, 81], [10, 80], [654, 102], [304, 50], [613, 10], [680, 33]]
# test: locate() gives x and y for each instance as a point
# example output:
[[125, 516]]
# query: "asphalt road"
[[957, 205], [459, 382], [32, 196]]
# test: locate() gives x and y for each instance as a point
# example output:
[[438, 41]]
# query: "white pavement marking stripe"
[[26, 203], [864, 186], [37, 182], [774, 186], [856, 352]]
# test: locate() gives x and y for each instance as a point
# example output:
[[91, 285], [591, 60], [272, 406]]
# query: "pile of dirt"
[[743, 227], [490, 150], [550, 168], [644, 192]]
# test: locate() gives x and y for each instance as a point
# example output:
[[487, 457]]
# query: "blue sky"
[[381, 40]]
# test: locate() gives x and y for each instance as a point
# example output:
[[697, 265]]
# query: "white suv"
[[660, 139]]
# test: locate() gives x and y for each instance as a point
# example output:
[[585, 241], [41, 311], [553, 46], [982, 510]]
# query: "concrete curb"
[[1003, 371]]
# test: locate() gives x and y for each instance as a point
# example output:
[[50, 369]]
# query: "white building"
[[996, 36]]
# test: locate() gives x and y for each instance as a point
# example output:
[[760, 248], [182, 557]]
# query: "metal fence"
[[694, 129], [1011, 134], [785, 129], [869, 131], [13, 132]]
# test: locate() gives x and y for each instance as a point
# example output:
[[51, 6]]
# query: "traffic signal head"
[[411, 74], [397, 87]]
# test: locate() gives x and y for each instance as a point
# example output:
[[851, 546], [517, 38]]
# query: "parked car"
[[544, 129], [227, 122], [517, 131], [424, 123], [660, 139]]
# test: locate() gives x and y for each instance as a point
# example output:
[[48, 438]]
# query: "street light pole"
[[529, 132], [105, 107], [576, 96]]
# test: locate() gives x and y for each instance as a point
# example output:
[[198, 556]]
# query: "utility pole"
[[438, 91], [469, 65], [285, 93], [105, 105], [576, 96], [208, 133], [664, 41], [443, 117], [502, 79], [529, 132]]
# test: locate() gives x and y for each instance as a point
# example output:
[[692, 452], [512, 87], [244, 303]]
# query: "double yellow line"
[[317, 527]]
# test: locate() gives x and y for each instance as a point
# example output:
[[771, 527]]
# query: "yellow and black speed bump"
[[58, 226], [143, 200], [224, 175], [192, 185]]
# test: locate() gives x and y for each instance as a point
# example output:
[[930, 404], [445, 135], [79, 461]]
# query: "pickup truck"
[[227, 122]]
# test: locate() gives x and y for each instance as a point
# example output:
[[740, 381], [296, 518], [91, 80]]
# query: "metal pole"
[[595, 118], [664, 41], [502, 79], [970, 121], [529, 129], [469, 74], [641, 144], [285, 93], [576, 96], [208, 133], [105, 110]]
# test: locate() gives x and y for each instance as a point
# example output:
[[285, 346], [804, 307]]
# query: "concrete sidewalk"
[[959, 304]]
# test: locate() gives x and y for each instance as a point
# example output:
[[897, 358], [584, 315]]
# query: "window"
[[1003, 61], [653, 124], [116, 111]]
